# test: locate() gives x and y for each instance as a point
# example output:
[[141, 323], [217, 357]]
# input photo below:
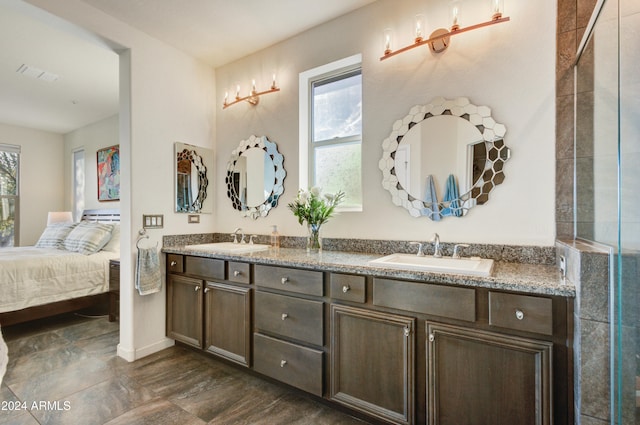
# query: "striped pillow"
[[88, 238], [54, 235]]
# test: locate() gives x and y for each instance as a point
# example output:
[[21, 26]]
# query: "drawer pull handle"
[[284, 316], [237, 273], [345, 288], [173, 264], [519, 314], [282, 363], [197, 288], [284, 280]]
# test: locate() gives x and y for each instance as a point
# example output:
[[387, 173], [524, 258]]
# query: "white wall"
[[41, 177], [509, 67], [166, 96], [91, 138]]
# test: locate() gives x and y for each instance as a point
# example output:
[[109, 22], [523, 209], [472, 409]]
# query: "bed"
[[42, 281]]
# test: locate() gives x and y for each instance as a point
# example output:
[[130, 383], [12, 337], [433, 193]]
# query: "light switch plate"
[[152, 221]]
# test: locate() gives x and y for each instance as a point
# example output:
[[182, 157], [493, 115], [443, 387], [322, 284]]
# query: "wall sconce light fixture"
[[439, 39], [253, 97]]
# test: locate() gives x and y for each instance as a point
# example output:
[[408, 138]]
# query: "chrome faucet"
[[235, 235], [420, 251], [436, 245], [456, 249]]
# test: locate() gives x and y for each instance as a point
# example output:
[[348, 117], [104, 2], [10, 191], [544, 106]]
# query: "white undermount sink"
[[471, 266], [228, 247]]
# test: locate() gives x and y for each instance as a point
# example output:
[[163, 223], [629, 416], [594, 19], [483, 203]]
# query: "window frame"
[[336, 70], [16, 149]]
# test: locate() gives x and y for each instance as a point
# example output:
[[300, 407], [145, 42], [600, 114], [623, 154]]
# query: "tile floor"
[[65, 371]]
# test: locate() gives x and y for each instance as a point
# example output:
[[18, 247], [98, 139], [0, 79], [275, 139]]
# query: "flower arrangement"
[[313, 207]]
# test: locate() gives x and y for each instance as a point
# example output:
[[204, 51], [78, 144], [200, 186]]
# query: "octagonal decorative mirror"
[[255, 177], [444, 158]]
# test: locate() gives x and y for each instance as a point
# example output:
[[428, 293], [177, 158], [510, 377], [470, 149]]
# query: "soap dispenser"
[[275, 238]]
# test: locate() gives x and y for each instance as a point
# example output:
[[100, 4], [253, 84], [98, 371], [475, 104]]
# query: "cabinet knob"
[[284, 280], [284, 316], [432, 337], [407, 331], [519, 314], [206, 290], [282, 363], [173, 263], [197, 288], [345, 288], [237, 273]]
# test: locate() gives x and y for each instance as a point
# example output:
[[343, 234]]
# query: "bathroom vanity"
[[393, 346]]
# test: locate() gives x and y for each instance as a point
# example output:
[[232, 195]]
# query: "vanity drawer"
[[348, 287], [239, 272], [521, 312], [298, 366], [290, 317], [207, 268], [175, 263], [436, 300], [292, 280]]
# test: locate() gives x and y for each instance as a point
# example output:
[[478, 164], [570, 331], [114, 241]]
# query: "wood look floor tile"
[[63, 382], [88, 329], [160, 412], [34, 365], [98, 404]]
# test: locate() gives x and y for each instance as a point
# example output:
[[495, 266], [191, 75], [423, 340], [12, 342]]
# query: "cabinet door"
[[478, 378], [228, 321], [372, 362], [184, 309]]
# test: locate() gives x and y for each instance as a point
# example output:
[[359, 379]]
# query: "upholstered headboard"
[[102, 216]]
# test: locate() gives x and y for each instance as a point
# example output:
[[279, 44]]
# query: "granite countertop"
[[519, 277]]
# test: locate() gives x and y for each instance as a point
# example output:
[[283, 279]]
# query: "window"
[[331, 130], [9, 195], [78, 183]]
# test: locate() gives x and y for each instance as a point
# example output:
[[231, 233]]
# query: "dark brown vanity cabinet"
[[289, 326], [479, 377], [372, 362], [184, 309], [205, 311], [228, 321], [396, 351]]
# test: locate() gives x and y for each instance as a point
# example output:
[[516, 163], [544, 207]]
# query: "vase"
[[314, 240]]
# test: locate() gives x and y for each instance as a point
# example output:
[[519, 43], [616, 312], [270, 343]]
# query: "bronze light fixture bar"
[[438, 41], [253, 97]]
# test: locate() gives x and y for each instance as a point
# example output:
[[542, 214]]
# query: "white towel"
[[148, 276], [4, 357]]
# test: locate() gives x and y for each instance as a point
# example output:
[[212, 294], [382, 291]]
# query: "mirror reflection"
[[255, 176], [191, 180], [444, 158]]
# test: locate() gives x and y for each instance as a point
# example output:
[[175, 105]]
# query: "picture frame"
[[108, 166]]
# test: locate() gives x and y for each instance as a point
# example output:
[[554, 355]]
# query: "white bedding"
[[31, 276]]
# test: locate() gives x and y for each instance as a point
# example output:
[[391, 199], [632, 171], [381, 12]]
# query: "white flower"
[[315, 191], [329, 197], [303, 196]]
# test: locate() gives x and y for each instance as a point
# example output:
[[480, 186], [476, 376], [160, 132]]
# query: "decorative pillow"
[[54, 235], [88, 238], [114, 243]]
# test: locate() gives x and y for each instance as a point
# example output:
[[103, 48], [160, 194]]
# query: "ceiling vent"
[[32, 71]]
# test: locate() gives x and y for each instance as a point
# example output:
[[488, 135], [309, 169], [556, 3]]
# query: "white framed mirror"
[[444, 158], [192, 170], [255, 177]]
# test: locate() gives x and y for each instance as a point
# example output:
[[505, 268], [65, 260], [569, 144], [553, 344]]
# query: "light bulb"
[[387, 41], [455, 17], [419, 27]]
